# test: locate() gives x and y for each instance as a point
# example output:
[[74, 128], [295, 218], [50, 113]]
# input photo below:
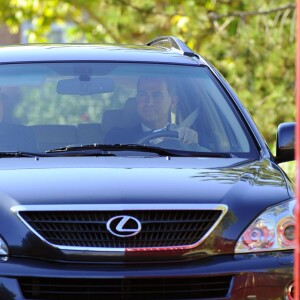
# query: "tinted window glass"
[[58, 104]]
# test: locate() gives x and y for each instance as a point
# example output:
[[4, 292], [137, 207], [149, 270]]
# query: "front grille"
[[159, 228], [125, 288]]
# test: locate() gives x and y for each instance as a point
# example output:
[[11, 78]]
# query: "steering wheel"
[[172, 141], [158, 134]]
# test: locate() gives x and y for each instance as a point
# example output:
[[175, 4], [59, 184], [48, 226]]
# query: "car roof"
[[94, 52]]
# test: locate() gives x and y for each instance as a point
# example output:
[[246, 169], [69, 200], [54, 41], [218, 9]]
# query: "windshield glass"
[[44, 106]]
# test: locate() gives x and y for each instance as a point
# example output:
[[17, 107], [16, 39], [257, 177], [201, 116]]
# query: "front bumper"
[[262, 276]]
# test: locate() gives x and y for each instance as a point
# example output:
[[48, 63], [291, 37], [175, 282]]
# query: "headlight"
[[3, 248], [273, 230]]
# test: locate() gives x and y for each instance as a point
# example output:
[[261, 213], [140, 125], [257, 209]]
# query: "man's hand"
[[187, 135]]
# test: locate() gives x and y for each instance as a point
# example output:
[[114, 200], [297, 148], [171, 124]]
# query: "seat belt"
[[190, 119]]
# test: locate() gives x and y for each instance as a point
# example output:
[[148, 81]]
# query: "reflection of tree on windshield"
[[10, 97]]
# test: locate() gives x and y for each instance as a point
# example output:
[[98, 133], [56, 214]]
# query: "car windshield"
[[46, 106]]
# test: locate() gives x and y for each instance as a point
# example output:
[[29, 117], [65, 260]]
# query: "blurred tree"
[[251, 42]]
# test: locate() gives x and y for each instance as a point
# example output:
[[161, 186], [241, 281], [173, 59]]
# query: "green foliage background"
[[252, 43]]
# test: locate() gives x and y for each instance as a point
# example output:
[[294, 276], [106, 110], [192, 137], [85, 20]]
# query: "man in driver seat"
[[155, 99]]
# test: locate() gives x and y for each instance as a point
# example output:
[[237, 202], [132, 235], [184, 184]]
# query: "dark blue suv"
[[134, 172]]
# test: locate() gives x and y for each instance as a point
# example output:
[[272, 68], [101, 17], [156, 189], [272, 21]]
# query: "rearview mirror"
[[85, 86]]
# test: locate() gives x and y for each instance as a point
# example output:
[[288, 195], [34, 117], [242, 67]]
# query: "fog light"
[[290, 291]]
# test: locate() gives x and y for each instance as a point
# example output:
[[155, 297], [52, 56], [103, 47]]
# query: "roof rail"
[[174, 42]]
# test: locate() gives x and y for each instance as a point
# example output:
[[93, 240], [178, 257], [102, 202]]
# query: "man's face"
[[154, 102]]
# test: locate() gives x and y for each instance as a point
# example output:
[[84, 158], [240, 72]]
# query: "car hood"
[[70, 180]]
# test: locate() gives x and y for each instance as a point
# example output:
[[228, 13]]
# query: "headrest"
[[129, 116], [123, 118]]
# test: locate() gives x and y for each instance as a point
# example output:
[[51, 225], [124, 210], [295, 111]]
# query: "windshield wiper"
[[20, 154], [107, 148]]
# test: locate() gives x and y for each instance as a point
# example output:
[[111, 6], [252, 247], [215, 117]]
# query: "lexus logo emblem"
[[124, 226]]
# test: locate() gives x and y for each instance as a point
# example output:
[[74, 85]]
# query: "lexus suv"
[[98, 203]]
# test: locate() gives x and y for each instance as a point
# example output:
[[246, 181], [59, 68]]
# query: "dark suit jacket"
[[133, 135]]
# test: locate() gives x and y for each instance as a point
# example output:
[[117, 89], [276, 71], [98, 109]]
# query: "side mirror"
[[285, 146]]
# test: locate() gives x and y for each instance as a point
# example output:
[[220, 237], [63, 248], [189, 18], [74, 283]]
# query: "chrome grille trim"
[[122, 208]]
